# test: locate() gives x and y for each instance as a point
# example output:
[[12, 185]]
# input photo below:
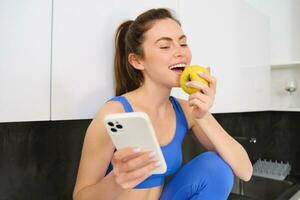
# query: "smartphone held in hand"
[[134, 129]]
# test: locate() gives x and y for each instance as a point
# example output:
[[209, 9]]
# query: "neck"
[[151, 97]]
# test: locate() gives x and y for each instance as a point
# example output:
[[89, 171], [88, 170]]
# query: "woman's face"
[[165, 52]]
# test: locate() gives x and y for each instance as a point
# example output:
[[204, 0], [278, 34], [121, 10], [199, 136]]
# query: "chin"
[[175, 85]]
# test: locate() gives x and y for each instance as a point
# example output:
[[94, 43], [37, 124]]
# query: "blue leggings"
[[207, 177]]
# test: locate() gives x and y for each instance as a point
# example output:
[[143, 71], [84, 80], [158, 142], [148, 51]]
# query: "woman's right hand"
[[131, 166]]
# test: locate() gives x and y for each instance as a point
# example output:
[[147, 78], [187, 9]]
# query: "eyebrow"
[[169, 39]]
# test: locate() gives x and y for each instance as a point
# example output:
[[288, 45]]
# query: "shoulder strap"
[[178, 110], [126, 105]]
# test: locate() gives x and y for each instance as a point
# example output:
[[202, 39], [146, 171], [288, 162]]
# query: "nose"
[[179, 51]]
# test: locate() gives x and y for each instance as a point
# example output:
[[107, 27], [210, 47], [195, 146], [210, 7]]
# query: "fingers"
[[210, 88], [202, 101], [199, 108], [201, 87], [212, 81], [131, 179], [131, 166], [209, 70], [200, 96], [125, 153], [207, 77], [138, 162], [122, 155], [198, 105]]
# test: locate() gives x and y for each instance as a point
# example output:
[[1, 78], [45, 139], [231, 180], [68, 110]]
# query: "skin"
[[165, 45]]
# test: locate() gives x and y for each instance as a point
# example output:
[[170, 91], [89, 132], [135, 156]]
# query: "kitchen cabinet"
[[254, 58], [82, 58], [25, 57], [284, 28], [83, 46], [284, 51], [232, 38], [57, 60]]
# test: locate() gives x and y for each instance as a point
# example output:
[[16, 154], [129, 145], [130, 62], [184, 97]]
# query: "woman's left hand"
[[203, 100]]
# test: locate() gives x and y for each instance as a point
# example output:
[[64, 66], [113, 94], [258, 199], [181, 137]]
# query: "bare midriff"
[[145, 194]]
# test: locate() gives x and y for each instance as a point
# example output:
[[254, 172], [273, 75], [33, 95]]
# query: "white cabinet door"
[[232, 38], [254, 58], [285, 28], [83, 41], [25, 51], [212, 28]]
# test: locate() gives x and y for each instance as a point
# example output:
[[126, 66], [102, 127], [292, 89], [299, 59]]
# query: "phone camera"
[[119, 126], [114, 130], [110, 124]]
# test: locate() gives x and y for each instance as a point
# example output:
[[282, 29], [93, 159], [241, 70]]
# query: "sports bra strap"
[[126, 105], [179, 111]]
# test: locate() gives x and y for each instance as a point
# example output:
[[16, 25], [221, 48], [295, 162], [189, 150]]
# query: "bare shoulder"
[[108, 108], [96, 130], [96, 135], [187, 110]]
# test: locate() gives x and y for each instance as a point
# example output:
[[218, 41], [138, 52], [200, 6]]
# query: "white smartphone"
[[134, 129]]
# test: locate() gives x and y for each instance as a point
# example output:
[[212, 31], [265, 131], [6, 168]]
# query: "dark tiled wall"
[[277, 134], [39, 160]]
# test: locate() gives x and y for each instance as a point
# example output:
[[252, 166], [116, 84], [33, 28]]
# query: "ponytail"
[[127, 77]]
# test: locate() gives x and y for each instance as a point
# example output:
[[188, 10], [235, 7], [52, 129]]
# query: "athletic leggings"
[[206, 177]]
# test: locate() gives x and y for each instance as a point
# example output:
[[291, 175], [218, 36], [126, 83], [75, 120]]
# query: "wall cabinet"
[[82, 58], [25, 56], [254, 58], [83, 42], [284, 51], [57, 60], [232, 38], [285, 30]]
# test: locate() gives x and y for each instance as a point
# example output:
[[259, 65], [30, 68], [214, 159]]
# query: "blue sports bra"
[[172, 151]]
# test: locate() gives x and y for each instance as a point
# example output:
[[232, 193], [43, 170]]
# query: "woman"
[[151, 53]]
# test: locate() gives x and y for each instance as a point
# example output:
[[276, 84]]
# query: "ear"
[[135, 61]]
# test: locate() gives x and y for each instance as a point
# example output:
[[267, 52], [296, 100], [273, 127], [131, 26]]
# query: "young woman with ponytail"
[[150, 52]]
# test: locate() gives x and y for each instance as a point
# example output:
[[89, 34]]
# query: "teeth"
[[177, 66]]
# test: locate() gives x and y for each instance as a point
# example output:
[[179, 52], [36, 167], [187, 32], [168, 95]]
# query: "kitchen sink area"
[[259, 188]]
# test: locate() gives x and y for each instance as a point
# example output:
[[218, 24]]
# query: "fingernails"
[[157, 163], [187, 84], [136, 150], [151, 154], [200, 73]]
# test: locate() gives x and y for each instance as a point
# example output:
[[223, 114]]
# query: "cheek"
[[189, 55], [160, 58]]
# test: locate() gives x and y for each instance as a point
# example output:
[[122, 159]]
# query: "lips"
[[178, 67]]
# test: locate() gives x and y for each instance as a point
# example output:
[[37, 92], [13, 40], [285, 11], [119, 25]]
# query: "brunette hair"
[[129, 39]]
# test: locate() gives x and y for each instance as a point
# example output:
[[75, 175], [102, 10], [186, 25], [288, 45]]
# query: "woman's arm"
[[209, 131], [228, 148], [214, 138], [96, 154], [130, 166], [196, 129]]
